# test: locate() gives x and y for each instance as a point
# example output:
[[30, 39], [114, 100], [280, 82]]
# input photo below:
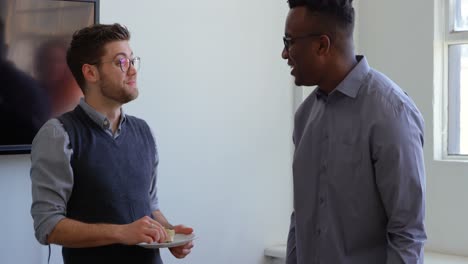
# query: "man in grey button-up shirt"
[[359, 180]]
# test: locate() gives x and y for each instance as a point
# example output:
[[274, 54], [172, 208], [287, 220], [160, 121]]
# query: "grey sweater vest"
[[111, 184]]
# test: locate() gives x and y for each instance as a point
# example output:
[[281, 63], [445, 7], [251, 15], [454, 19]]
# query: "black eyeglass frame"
[[287, 40]]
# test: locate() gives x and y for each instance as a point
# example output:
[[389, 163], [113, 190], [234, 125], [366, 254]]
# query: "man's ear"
[[90, 73], [324, 45]]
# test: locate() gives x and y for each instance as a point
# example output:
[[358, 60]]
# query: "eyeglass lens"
[[125, 63], [286, 42]]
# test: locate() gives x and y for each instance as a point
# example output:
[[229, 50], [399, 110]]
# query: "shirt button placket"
[[324, 167], [323, 182]]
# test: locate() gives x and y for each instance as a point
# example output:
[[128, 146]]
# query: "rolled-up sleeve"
[[154, 201], [400, 177], [51, 178]]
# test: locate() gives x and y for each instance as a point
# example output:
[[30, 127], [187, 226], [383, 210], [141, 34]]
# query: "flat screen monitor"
[[35, 81]]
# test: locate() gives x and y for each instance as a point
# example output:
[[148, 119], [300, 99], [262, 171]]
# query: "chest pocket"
[[346, 147]]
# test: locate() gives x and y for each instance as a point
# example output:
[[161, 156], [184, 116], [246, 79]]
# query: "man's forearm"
[[158, 216], [75, 234]]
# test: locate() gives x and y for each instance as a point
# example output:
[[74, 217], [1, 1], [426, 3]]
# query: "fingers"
[[134, 233], [153, 229], [181, 229], [158, 231], [187, 247], [182, 251], [148, 240], [180, 255], [143, 230]]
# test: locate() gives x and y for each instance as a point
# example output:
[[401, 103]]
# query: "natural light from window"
[[464, 98], [458, 80], [461, 22]]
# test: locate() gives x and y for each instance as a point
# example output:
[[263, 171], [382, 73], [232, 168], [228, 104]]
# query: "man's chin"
[[134, 92], [298, 82], [130, 97], [301, 82], [134, 95]]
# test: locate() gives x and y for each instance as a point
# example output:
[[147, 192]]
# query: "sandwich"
[[170, 233]]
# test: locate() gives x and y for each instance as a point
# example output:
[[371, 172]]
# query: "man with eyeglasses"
[[358, 168], [94, 169]]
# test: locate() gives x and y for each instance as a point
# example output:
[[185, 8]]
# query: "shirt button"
[[324, 166], [322, 201], [325, 134], [106, 123]]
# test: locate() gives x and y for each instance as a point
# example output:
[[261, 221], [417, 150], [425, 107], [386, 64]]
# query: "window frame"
[[448, 131]]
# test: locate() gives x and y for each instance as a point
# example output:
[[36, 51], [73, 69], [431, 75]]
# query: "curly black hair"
[[341, 10]]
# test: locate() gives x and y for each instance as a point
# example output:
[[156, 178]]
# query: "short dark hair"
[[87, 46], [341, 11]]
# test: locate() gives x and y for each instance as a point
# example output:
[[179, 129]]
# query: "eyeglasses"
[[124, 63], [290, 40]]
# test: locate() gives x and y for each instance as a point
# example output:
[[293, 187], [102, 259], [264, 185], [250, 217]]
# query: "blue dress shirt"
[[358, 169]]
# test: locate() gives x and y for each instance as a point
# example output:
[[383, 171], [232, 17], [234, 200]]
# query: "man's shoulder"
[[136, 120], [52, 129], [386, 103], [139, 123], [385, 94], [52, 124]]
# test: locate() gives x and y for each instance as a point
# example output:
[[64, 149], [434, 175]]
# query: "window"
[[456, 47]]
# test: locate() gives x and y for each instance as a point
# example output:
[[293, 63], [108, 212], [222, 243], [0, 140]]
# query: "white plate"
[[179, 240]]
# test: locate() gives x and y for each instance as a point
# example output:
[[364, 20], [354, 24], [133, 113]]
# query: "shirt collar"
[[100, 119], [320, 94], [351, 84]]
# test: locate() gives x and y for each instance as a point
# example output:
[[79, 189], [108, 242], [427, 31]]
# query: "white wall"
[[17, 242], [217, 93], [398, 39]]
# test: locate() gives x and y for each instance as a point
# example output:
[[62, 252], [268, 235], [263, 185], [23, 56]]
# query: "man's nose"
[[285, 53], [131, 69]]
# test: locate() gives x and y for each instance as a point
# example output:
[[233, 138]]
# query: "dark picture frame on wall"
[[35, 81]]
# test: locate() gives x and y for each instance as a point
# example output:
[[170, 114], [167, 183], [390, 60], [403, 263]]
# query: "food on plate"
[[170, 234]]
